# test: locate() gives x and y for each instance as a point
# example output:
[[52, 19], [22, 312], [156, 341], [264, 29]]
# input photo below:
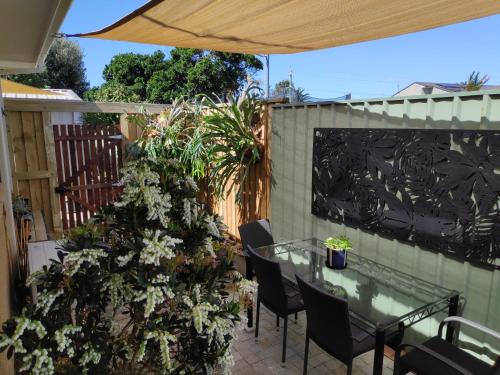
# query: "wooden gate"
[[88, 161]]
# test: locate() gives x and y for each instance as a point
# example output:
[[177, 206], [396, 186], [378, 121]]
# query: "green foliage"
[[133, 71], [474, 82], [176, 134], [286, 89], [188, 72], [338, 243], [147, 287], [232, 130], [64, 69], [109, 92]]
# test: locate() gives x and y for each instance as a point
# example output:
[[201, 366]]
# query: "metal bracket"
[[61, 189]]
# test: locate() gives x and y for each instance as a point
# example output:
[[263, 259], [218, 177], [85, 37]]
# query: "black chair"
[[330, 327], [256, 234], [278, 296], [438, 356]]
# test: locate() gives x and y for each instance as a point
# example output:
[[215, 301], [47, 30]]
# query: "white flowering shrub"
[[147, 287]]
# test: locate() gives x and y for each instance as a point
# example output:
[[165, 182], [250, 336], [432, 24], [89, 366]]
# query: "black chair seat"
[[427, 365], [362, 341], [294, 299]]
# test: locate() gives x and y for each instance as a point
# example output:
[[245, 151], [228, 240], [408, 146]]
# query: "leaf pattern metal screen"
[[439, 189]]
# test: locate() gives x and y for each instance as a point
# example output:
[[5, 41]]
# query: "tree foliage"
[[64, 69], [287, 89], [187, 72]]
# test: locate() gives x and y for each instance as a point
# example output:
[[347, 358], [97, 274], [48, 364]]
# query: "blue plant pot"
[[336, 258], [339, 258]]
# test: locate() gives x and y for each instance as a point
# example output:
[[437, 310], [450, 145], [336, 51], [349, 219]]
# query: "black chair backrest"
[[269, 278], [256, 234], [328, 322]]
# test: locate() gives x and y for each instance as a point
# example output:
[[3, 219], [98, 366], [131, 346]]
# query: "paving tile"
[[263, 356]]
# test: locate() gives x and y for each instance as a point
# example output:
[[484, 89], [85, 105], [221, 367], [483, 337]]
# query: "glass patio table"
[[381, 299]]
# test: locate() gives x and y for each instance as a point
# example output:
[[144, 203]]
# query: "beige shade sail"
[[285, 26]]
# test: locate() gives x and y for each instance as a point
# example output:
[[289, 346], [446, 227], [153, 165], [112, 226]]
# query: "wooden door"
[[88, 159]]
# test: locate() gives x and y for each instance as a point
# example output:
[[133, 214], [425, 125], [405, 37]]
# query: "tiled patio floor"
[[264, 356]]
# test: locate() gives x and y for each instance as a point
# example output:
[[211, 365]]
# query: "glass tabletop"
[[377, 294]]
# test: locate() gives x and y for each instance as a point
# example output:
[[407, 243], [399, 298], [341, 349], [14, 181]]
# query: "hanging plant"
[[232, 131]]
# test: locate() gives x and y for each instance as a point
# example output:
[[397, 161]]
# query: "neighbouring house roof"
[[277, 26], [27, 29], [454, 87], [448, 87], [17, 90]]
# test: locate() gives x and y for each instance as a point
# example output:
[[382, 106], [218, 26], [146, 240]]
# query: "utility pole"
[[267, 91], [290, 82], [266, 57]]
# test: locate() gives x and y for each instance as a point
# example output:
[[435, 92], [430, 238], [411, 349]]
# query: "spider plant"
[[231, 130]]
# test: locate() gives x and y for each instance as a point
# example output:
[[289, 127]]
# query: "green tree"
[[285, 88], [474, 82], [64, 69], [109, 92], [188, 72]]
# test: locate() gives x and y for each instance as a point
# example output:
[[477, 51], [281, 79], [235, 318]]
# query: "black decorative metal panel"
[[439, 189]]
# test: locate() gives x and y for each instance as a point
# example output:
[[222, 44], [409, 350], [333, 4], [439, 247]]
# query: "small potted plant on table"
[[336, 251]]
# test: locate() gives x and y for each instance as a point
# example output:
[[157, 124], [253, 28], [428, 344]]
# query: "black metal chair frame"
[[447, 361], [255, 234], [350, 355], [283, 312]]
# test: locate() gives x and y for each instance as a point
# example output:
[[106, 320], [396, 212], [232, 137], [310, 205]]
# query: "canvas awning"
[[285, 26]]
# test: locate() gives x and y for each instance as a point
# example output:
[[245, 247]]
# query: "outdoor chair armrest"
[[431, 353], [469, 323]]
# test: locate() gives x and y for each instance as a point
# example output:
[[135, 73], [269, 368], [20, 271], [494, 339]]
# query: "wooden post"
[[7, 234], [129, 130], [55, 203]]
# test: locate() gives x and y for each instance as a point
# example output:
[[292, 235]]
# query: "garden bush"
[[146, 287]]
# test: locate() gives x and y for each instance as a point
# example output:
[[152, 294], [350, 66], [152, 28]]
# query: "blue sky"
[[371, 69]]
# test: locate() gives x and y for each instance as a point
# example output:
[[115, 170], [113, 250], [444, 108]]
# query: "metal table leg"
[[452, 311], [378, 362], [249, 276]]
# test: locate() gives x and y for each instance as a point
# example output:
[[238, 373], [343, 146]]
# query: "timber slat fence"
[[88, 160], [82, 163]]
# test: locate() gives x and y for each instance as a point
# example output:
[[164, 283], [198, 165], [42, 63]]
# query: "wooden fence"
[[255, 203], [46, 158], [88, 161], [34, 177], [6, 273]]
